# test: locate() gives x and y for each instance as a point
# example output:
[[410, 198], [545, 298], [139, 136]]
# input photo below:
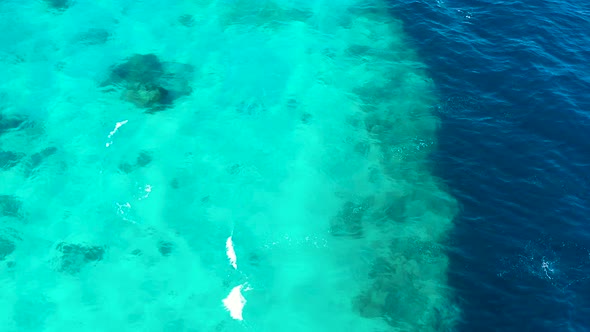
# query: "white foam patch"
[[117, 126], [235, 302], [231, 253]]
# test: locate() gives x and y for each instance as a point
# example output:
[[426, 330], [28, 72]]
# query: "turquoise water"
[[218, 166]]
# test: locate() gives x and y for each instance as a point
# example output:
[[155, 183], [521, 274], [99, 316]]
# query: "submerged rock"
[[138, 69], [6, 248], [187, 20], [39, 157], [143, 159], [126, 167], [349, 221], [149, 83], [397, 292], [146, 95], [9, 159], [10, 122], [36, 159], [370, 304], [75, 256], [165, 248], [10, 206], [60, 5]]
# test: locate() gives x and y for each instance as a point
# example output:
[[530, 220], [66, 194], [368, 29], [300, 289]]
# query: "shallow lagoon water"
[[142, 138]]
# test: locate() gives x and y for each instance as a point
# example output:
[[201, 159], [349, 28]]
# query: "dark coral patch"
[[6, 248], [10, 122], [165, 248], [139, 68], [75, 256], [143, 159], [39, 157], [149, 83], [187, 20], [349, 222], [9, 159], [59, 5], [10, 206]]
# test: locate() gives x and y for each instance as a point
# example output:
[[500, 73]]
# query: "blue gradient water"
[[515, 151], [279, 165]]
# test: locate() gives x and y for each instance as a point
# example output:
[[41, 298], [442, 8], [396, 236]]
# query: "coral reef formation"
[[148, 83], [73, 257]]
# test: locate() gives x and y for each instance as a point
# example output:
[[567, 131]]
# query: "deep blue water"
[[514, 79]]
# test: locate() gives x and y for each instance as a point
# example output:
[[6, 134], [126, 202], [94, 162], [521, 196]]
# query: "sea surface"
[[294, 165], [514, 149]]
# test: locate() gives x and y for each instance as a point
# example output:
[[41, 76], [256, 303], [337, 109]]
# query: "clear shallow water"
[[228, 165]]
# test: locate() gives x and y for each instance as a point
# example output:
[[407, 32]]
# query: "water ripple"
[[513, 78]]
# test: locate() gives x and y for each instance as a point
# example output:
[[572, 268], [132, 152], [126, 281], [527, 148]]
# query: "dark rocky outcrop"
[[149, 83], [59, 5], [10, 122], [187, 20], [143, 159], [6, 248], [349, 222], [38, 157], [165, 248], [9, 159], [10, 206], [75, 256]]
